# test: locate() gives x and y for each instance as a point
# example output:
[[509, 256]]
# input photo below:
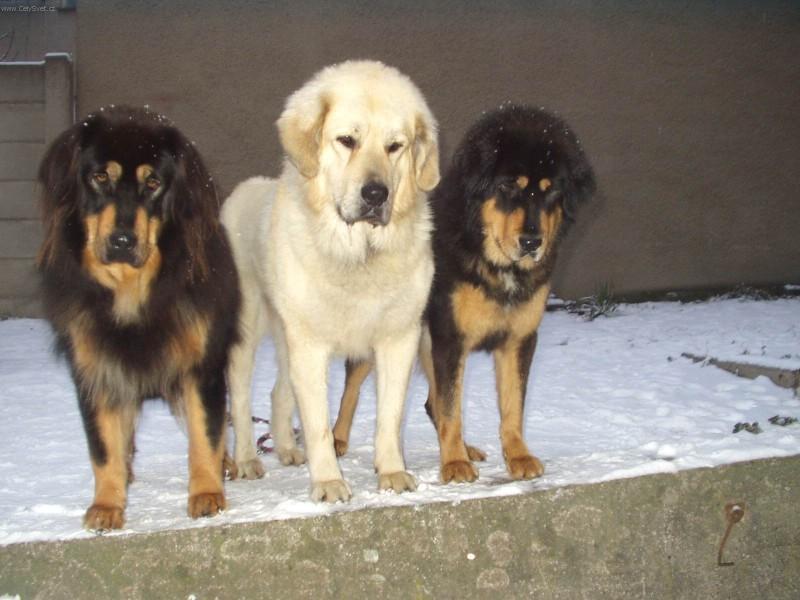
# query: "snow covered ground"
[[608, 399]]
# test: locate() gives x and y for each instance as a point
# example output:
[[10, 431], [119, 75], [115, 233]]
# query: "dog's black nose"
[[374, 193], [529, 243], [122, 240]]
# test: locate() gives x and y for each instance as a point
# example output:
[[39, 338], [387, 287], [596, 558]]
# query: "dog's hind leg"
[[283, 405], [240, 377], [512, 363], [356, 371], [394, 359]]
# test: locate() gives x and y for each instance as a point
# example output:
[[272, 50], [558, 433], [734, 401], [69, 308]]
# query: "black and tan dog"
[[140, 288], [500, 213]]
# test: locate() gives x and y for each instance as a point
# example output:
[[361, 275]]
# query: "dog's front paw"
[[476, 454], [291, 456], [330, 491], [103, 518], [340, 447], [458, 471], [525, 467], [206, 505], [399, 482], [229, 469], [250, 469]]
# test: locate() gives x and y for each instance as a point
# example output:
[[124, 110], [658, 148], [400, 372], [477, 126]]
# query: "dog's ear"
[[192, 203], [300, 129], [579, 185], [426, 153], [477, 160], [58, 181], [470, 176]]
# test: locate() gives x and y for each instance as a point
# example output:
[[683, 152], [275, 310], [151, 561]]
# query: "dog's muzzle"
[[375, 208], [121, 247], [529, 244]]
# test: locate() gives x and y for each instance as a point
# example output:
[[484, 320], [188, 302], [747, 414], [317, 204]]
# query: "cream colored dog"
[[335, 260]]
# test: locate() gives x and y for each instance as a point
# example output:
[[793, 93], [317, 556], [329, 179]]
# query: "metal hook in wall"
[[734, 511]]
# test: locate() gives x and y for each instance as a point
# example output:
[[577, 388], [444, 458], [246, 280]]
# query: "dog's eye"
[[346, 141], [100, 177], [393, 147], [152, 184]]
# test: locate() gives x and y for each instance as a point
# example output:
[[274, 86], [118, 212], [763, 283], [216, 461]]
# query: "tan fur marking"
[[522, 182], [347, 407], [83, 348], [100, 375], [509, 397], [522, 322], [153, 229], [526, 263], [206, 496], [426, 362], [98, 228], [451, 440], [143, 172], [524, 319], [477, 316], [131, 285], [503, 229], [188, 349], [489, 276], [115, 429], [513, 228], [493, 228], [141, 226], [550, 223], [130, 297], [455, 462], [544, 184], [114, 170]]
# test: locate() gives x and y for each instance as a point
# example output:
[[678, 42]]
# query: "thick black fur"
[[505, 143], [510, 140], [196, 279]]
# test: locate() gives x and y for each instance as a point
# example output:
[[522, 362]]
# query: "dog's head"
[[523, 175], [124, 175], [363, 134]]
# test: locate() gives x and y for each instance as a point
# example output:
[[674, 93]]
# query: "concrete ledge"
[[786, 378], [648, 537]]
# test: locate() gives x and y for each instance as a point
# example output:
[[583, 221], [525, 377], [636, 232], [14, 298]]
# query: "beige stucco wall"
[[689, 111]]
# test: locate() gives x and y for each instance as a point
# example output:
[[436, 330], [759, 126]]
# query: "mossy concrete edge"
[[654, 536]]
